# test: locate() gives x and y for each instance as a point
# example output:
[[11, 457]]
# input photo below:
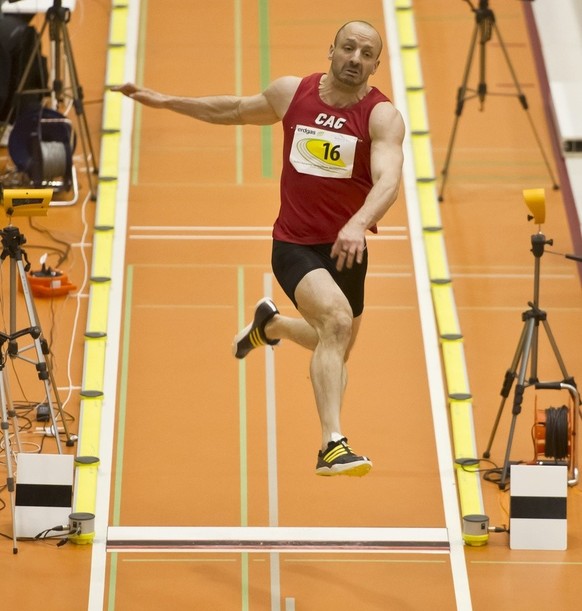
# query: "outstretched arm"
[[387, 132], [264, 108]]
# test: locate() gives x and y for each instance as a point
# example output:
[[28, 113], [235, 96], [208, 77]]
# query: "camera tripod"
[[485, 27], [8, 412], [12, 241], [527, 353], [56, 20]]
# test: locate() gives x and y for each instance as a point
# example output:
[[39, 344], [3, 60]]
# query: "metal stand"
[[527, 353], [485, 26], [10, 484], [12, 241], [56, 20], [8, 412]]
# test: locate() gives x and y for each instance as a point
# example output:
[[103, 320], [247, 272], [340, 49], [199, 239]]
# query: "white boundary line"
[[272, 462], [103, 494], [219, 228], [246, 238], [429, 330]]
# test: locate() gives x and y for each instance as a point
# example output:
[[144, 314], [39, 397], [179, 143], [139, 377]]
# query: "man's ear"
[[330, 52]]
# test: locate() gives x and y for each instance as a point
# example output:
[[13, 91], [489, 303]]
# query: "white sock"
[[336, 437]]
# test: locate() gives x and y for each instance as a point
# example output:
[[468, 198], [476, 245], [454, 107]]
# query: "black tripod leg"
[[525, 106], [556, 351], [84, 133], [9, 458], [461, 97], [482, 85], [51, 378], [518, 397], [41, 364], [510, 375]]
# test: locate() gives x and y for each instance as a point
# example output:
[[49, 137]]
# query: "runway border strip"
[[99, 310], [103, 327], [451, 338]]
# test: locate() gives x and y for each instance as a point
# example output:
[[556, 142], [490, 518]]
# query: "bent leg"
[[297, 330]]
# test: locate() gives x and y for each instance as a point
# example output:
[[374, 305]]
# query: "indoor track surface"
[[205, 496]]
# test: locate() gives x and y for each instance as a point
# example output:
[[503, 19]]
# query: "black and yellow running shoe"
[[339, 459], [253, 335]]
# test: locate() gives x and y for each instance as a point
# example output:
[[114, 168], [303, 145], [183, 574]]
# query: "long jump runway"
[[214, 501]]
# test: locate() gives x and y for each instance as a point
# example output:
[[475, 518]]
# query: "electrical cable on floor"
[[469, 464], [78, 296], [63, 254], [63, 530], [491, 474]]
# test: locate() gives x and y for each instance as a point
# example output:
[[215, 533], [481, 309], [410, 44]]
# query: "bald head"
[[362, 28]]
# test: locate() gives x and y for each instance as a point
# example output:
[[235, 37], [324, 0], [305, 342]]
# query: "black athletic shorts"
[[291, 262]]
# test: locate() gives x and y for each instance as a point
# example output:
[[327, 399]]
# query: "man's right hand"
[[148, 97]]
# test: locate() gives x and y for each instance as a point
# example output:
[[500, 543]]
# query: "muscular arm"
[[387, 132], [264, 108]]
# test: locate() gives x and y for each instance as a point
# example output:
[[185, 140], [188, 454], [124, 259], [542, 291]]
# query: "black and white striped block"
[[44, 492], [538, 516]]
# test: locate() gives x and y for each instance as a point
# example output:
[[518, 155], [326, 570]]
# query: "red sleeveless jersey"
[[326, 172]]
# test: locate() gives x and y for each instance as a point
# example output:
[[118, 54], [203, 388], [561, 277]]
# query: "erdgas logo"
[[308, 131]]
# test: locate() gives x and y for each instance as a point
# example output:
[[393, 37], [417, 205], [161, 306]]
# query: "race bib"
[[322, 153]]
